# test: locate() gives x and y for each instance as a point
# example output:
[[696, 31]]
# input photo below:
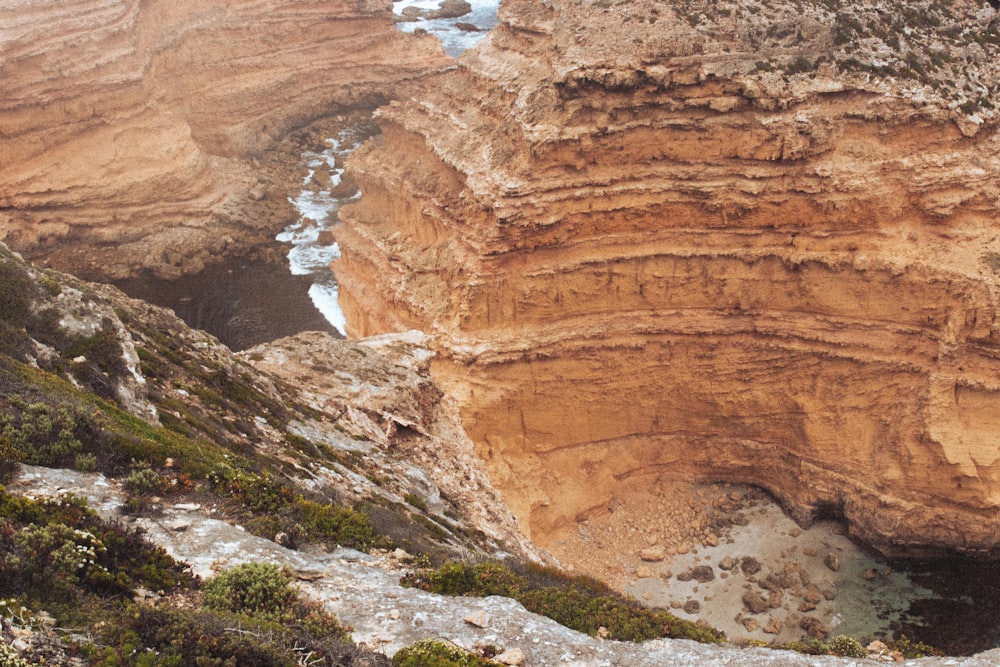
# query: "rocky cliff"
[[129, 127], [728, 241]]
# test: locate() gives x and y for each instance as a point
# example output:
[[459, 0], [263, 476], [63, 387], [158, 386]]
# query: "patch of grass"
[[270, 506], [579, 603], [416, 501], [849, 647], [434, 653]]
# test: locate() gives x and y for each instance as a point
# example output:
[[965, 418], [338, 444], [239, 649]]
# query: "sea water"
[[312, 248], [454, 39]]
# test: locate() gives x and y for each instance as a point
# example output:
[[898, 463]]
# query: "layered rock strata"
[[723, 241], [130, 126]]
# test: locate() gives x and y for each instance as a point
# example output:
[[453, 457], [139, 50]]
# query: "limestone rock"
[[512, 656], [755, 603], [773, 626], [653, 554], [813, 627], [477, 618], [832, 562], [633, 257]]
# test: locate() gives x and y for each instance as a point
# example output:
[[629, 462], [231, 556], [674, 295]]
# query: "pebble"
[[477, 618], [728, 563], [653, 554], [750, 565], [832, 562], [773, 626], [512, 656], [755, 603], [179, 525], [813, 627]]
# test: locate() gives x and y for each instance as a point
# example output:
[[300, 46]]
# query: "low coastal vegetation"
[[580, 603], [124, 601]]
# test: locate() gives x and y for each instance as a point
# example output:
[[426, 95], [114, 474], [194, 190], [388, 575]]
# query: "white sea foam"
[[455, 41], [324, 297], [317, 209]]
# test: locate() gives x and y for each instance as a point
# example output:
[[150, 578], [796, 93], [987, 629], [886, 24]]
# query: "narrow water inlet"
[[324, 191]]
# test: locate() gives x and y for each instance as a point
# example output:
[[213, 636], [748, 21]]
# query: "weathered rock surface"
[[380, 389], [733, 242], [128, 126], [364, 592]]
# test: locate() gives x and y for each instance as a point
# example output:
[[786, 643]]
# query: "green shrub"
[[59, 551], [164, 636], [255, 589], [578, 603], [46, 436], [10, 658], [141, 480], [848, 647], [263, 592], [10, 459], [325, 522], [286, 510], [102, 348], [416, 501], [85, 462], [911, 649], [432, 653]]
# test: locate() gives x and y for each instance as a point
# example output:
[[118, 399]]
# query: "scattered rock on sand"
[[755, 603], [728, 563], [813, 627], [832, 561], [750, 565], [773, 626], [653, 554]]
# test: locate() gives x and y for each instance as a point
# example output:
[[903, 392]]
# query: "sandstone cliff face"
[[129, 124], [727, 242]]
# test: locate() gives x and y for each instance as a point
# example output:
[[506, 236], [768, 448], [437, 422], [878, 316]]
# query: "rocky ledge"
[[726, 241], [132, 127]]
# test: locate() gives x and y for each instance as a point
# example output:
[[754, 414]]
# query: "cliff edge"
[[738, 241], [131, 127]]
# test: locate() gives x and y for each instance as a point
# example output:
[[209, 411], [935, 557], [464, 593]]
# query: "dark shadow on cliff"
[[241, 301]]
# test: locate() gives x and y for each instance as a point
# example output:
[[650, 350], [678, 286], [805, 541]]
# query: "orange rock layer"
[[642, 260], [129, 124]]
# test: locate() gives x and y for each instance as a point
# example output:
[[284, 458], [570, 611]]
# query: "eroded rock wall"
[[128, 127], [717, 241]]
